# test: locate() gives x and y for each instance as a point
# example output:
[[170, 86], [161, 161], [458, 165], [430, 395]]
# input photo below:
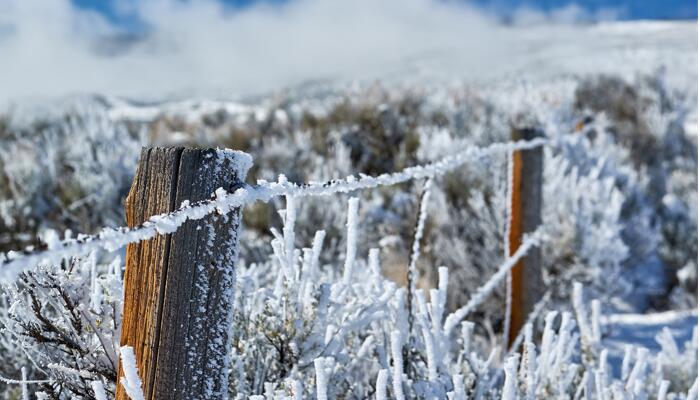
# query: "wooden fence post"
[[178, 287], [526, 203]]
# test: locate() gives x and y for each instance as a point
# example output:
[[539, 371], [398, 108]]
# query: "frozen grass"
[[306, 303]]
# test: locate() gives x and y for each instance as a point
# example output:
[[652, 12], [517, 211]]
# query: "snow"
[[22, 381], [693, 393], [191, 111], [316, 251], [131, 380], [510, 386], [458, 385], [382, 379], [25, 389], [622, 332], [323, 367], [71, 371], [397, 370], [99, 390], [288, 232]]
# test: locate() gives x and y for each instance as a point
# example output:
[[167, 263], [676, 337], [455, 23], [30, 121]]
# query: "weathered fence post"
[[178, 287], [526, 201]]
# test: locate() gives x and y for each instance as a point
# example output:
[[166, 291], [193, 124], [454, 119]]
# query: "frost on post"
[[179, 285]]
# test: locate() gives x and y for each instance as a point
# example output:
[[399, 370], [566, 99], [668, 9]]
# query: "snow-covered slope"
[[539, 60], [543, 52]]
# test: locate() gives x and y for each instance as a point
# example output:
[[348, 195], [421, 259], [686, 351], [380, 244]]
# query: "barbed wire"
[[222, 202], [10, 381], [531, 240], [412, 274], [111, 239]]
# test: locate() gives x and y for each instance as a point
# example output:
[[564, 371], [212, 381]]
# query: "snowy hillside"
[[320, 306]]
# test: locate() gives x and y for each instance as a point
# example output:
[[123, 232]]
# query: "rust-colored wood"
[[178, 287], [517, 319], [526, 203]]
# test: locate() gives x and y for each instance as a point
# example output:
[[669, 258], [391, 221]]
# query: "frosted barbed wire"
[[111, 239], [484, 290], [412, 272]]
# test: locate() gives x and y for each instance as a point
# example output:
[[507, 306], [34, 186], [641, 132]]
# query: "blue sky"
[[628, 9], [624, 9]]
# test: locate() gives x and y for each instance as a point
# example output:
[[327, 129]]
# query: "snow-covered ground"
[[642, 330]]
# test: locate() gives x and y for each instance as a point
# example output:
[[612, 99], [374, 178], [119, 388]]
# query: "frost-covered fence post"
[[526, 201], [178, 286]]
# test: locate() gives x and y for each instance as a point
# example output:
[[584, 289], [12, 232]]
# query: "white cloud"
[[50, 48]]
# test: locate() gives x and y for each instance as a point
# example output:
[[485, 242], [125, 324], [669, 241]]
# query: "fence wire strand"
[[412, 274], [487, 288], [111, 239], [222, 202]]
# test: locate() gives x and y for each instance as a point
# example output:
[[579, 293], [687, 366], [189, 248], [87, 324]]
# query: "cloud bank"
[[51, 48]]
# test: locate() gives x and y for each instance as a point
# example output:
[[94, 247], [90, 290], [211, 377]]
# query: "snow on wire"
[[531, 240], [111, 239]]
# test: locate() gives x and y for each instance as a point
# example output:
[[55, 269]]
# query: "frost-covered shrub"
[[303, 328], [69, 169], [648, 119], [622, 223], [320, 134], [367, 348], [63, 323], [340, 329], [612, 247]]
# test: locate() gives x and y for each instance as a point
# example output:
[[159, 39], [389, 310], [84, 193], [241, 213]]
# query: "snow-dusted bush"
[[68, 169], [318, 135], [63, 323], [340, 329], [307, 316]]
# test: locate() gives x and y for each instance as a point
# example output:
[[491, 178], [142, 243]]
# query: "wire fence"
[[111, 239]]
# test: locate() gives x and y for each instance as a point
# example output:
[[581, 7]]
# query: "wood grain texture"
[[526, 203], [178, 288]]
